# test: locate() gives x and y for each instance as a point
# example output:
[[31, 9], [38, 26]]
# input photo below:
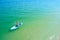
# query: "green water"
[[37, 25], [41, 19]]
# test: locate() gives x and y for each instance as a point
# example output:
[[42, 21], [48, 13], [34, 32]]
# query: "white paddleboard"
[[14, 27]]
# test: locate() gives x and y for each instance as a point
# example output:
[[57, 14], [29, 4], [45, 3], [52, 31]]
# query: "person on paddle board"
[[17, 24]]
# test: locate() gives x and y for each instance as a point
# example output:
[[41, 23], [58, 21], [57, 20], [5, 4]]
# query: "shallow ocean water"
[[35, 27], [41, 19]]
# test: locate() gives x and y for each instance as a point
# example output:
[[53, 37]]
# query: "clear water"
[[40, 22]]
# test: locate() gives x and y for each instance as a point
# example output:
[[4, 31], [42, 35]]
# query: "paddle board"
[[16, 27]]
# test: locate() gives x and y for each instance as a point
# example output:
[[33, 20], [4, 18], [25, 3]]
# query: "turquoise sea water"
[[8, 19], [41, 19]]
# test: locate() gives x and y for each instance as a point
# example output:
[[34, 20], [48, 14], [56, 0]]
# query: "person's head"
[[17, 22]]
